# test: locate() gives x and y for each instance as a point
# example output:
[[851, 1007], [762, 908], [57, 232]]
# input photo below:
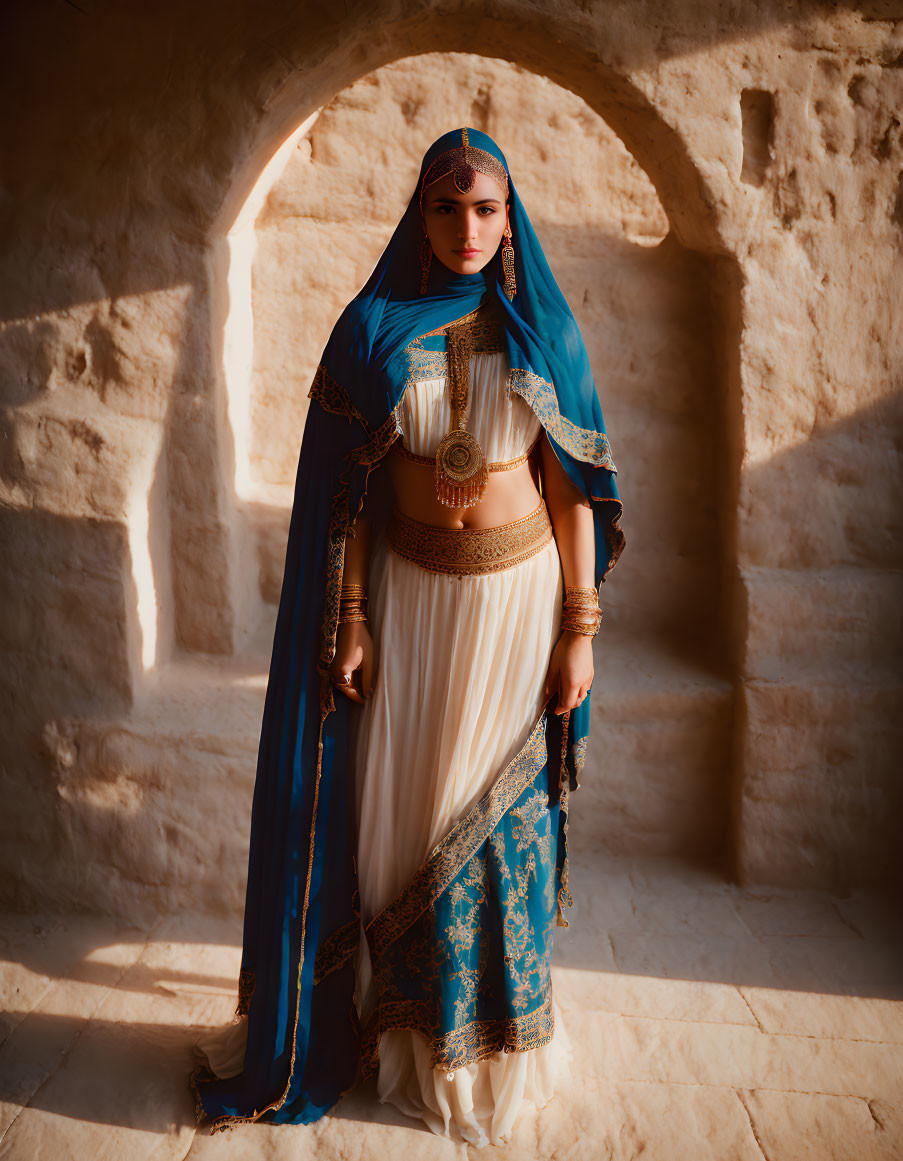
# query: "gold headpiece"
[[463, 161]]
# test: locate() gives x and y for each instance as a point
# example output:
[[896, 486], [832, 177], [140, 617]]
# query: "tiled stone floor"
[[708, 1022]]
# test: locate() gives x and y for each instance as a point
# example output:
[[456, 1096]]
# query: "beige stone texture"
[[192, 192]]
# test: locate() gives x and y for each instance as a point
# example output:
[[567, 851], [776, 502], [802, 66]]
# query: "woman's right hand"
[[354, 655]]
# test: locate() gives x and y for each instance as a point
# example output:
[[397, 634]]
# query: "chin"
[[465, 265]]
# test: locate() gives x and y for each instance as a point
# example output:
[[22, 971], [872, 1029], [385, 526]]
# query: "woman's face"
[[464, 229]]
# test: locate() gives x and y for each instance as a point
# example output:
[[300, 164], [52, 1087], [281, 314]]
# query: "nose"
[[467, 226]]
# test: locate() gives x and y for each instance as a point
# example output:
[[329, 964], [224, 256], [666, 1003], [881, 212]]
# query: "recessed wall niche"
[[639, 297]]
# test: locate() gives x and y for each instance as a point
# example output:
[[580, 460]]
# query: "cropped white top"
[[505, 426]]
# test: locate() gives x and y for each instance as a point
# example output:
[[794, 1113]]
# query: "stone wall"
[[641, 299], [723, 206]]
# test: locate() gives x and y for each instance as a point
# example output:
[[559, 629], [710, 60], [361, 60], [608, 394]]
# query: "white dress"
[[460, 668]]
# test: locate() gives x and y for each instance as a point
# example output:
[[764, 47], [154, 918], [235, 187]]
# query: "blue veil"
[[301, 905]]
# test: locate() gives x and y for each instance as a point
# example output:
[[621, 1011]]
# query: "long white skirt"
[[461, 664]]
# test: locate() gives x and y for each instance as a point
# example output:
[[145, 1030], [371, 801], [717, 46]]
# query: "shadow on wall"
[[822, 682]]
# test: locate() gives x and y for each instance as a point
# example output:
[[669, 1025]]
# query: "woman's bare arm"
[[354, 644], [357, 551], [572, 519], [571, 664]]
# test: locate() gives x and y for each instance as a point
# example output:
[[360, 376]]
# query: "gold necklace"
[[461, 474]]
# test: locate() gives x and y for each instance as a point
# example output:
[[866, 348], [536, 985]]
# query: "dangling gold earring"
[[508, 283], [426, 254]]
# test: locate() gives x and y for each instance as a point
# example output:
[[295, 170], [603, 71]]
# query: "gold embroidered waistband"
[[467, 551]]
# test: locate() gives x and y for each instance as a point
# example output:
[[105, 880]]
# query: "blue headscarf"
[[301, 899]]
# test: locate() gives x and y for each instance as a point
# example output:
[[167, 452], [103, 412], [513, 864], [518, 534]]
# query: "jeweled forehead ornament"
[[463, 162]]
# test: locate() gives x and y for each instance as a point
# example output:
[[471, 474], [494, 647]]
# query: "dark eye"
[[488, 209]]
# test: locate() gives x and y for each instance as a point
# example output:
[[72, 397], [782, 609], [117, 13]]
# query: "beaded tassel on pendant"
[[461, 473]]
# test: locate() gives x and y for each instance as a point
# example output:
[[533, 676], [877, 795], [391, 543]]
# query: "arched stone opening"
[[127, 597], [653, 310], [184, 752]]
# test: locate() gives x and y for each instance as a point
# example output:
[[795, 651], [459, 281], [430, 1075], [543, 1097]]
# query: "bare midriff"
[[509, 495]]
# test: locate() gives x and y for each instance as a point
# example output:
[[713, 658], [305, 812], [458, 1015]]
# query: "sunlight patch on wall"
[[238, 331]]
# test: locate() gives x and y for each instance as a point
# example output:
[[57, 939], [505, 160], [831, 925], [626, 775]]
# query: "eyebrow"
[[457, 201]]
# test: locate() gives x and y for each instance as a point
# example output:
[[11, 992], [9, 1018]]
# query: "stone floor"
[[708, 1022]]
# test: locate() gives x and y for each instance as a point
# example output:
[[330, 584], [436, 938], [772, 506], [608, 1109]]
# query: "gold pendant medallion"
[[461, 474]]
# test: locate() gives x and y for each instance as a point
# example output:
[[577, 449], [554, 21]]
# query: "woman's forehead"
[[484, 189]]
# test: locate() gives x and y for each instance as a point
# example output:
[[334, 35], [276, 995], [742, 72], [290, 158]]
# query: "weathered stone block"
[[840, 624], [820, 803]]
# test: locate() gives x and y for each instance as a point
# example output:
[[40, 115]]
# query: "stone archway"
[[776, 160], [664, 693]]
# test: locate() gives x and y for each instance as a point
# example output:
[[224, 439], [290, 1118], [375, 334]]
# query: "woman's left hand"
[[570, 670]]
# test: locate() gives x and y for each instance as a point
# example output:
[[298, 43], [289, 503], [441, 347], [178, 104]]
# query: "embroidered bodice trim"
[[488, 338]]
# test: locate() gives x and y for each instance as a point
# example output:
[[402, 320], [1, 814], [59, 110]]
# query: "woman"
[[408, 856]]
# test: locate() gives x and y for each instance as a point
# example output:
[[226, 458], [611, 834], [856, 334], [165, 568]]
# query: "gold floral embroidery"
[[581, 443], [461, 934], [246, 981], [484, 1038], [424, 365], [469, 1044], [579, 758], [533, 810], [462, 841], [532, 832], [524, 874], [437, 970], [564, 895], [335, 951], [333, 397], [482, 330]]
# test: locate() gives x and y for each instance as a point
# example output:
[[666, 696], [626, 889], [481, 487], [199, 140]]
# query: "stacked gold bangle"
[[352, 604], [580, 612]]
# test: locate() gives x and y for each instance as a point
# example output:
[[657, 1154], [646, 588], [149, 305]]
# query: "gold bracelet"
[[580, 611], [581, 592], [582, 627], [354, 613], [352, 604]]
